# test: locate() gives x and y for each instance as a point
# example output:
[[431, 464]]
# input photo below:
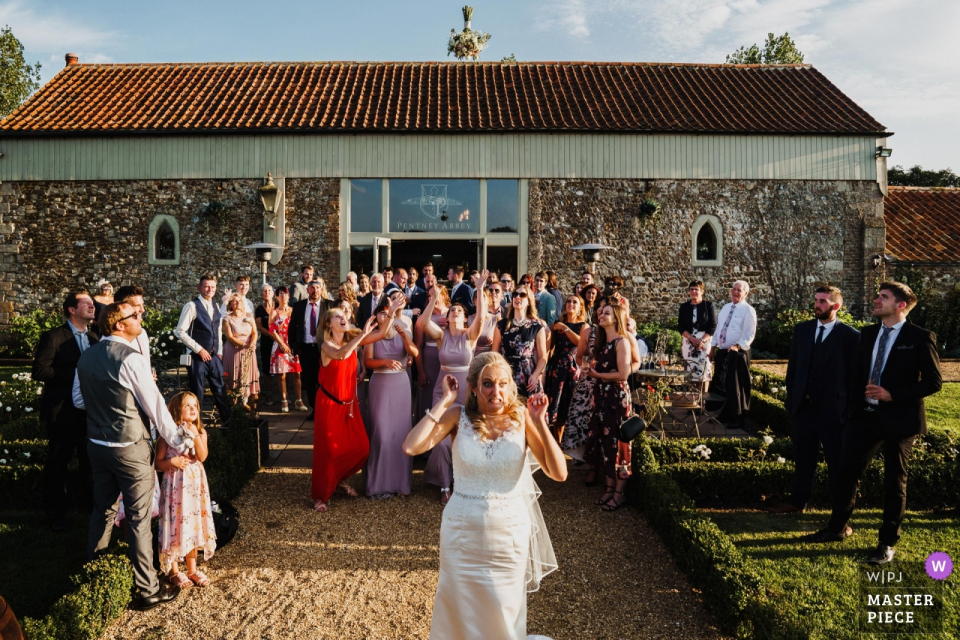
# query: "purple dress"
[[485, 340], [431, 367], [455, 355], [389, 469]]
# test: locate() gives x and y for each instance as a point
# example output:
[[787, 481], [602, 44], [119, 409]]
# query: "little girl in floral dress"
[[186, 520]]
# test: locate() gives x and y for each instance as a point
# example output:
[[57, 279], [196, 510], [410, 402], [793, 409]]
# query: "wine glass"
[[664, 361], [586, 364]]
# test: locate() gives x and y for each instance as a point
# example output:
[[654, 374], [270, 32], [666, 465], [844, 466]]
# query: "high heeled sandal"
[[284, 406], [299, 406], [600, 501], [612, 504]]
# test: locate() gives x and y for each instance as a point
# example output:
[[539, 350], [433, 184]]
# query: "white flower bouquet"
[[468, 43]]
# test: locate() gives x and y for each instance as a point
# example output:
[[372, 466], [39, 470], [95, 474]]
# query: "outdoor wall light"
[[884, 152], [270, 195], [591, 253], [264, 255]]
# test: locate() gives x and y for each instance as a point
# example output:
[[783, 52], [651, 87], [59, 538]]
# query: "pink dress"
[[186, 520], [281, 362], [240, 365]]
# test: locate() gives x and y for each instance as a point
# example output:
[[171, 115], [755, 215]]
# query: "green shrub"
[[769, 413], [680, 450], [775, 336], [25, 428], [21, 486], [643, 457], [23, 452], [24, 331], [649, 331], [234, 457], [103, 593], [20, 397]]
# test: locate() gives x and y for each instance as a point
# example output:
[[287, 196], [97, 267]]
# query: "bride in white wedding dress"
[[494, 546]]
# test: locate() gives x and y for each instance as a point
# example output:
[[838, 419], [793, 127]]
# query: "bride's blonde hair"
[[513, 405]]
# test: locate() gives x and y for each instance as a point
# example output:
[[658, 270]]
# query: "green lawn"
[[818, 586], [36, 563], [943, 409]]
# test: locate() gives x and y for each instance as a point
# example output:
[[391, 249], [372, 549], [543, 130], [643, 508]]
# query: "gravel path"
[[368, 569]]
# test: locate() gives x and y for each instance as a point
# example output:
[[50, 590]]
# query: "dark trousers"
[[126, 471], [202, 373], [310, 363], [808, 430], [66, 434], [732, 380], [861, 446]]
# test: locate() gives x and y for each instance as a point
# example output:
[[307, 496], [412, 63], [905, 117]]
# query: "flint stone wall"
[[783, 237], [59, 236]]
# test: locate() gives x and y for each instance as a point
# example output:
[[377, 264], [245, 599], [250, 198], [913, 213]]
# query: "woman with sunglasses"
[[493, 298], [521, 339], [562, 368], [455, 348]]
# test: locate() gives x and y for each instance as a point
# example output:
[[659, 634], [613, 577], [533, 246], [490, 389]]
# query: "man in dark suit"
[[369, 302], [306, 335], [55, 364], [821, 394], [897, 368], [461, 291], [426, 270]]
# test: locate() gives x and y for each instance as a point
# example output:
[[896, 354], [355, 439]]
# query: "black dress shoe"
[[166, 593], [59, 525], [825, 535], [882, 554]]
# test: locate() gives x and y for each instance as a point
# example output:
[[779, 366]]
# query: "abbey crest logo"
[[433, 200]]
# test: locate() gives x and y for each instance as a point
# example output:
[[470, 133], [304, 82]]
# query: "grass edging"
[[103, 593]]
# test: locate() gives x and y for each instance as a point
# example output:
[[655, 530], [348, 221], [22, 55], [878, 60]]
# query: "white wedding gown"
[[486, 544]]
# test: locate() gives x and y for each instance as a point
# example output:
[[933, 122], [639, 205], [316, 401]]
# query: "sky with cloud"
[[895, 58]]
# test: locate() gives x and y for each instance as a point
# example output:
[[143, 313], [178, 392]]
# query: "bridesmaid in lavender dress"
[[428, 362], [389, 471], [456, 345], [493, 295]]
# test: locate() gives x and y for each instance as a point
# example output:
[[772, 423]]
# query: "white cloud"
[[567, 16]]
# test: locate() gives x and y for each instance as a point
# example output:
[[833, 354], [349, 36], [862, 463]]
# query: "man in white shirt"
[[114, 386], [352, 280], [133, 295], [242, 285], [201, 329], [736, 329]]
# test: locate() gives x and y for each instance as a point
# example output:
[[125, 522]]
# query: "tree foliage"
[[776, 50], [17, 78], [917, 176]]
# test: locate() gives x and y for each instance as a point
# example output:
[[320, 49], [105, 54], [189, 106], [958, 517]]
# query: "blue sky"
[[896, 58]]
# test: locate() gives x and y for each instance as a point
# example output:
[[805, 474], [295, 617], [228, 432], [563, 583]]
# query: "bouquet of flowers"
[[468, 43]]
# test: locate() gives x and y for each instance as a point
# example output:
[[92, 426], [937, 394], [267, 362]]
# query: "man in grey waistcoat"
[[114, 384]]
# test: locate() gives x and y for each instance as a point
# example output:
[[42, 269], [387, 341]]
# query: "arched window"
[[163, 241], [707, 237]]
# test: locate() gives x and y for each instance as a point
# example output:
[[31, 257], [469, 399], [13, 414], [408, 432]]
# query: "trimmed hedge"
[[770, 413], [680, 450], [21, 486], [25, 428], [103, 593], [234, 457]]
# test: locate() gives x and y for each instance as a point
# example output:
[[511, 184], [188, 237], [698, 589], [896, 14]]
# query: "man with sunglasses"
[[113, 384], [506, 281], [201, 329]]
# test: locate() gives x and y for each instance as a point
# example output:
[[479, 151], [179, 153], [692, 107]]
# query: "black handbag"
[[226, 521], [631, 428]]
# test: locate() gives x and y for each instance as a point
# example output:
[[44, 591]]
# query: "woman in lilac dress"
[[492, 295], [388, 470], [428, 362], [455, 348], [521, 339]]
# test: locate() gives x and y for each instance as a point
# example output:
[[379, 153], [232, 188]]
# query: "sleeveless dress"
[[455, 355], [484, 541], [240, 365], [281, 362], [562, 374], [485, 341], [518, 345], [611, 406], [577, 429], [431, 367], [389, 469], [186, 519], [340, 443]]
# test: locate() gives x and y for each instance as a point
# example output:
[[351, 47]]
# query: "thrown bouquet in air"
[[468, 43]]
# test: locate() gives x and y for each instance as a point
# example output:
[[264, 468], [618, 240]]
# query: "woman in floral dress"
[[562, 370], [611, 404], [282, 360], [521, 339], [577, 428]]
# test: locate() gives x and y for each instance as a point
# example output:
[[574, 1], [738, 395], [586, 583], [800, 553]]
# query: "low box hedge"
[[103, 593], [234, 455], [21, 486], [680, 450], [25, 428], [769, 413]]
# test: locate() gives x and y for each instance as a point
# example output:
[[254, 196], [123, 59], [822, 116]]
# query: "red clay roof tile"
[[923, 224]]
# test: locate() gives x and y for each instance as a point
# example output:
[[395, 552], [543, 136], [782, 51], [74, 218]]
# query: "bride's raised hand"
[[451, 389], [537, 406]]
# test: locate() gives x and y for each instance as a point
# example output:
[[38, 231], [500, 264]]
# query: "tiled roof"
[[923, 224], [425, 97]]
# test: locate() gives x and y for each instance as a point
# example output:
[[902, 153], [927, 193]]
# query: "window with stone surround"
[[163, 241], [707, 236]]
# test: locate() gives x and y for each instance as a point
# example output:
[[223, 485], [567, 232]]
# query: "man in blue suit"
[[462, 292], [821, 394]]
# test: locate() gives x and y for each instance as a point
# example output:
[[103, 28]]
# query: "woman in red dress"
[[340, 443]]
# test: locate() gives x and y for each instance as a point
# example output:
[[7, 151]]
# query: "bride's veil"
[[542, 561]]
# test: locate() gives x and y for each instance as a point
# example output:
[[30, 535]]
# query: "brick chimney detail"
[[71, 58]]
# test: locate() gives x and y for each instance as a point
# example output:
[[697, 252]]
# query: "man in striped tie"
[[898, 367]]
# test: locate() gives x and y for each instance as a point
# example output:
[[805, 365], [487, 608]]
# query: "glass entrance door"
[[442, 253]]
